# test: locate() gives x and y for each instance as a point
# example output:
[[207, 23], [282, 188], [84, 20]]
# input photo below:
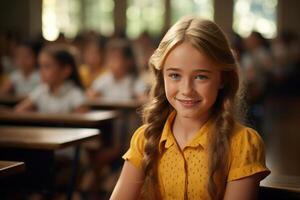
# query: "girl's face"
[[51, 73], [92, 55], [25, 58], [191, 82], [118, 65]]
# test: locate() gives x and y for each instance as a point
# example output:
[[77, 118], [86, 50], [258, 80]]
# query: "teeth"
[[188, 101]]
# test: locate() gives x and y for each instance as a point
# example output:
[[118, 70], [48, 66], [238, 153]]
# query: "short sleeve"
[[101, 83], [135, 152], [77, 98], [247, 155], [36, 93], [14, 77]]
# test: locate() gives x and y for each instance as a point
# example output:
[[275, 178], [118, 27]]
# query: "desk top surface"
[[283, 182], [44, 138], [10, 99], [104, 104], [89, 119], [10, 167]]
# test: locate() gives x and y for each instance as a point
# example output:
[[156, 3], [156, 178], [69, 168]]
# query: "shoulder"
[[247, 154], [39, 91], [138, 138], [136, 150], [243, 135], [102, 80], [42, 88], [105, 77], [36, 75], [74, 91], [15, 75]]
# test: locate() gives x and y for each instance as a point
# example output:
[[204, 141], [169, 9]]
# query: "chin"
[[189, 114]]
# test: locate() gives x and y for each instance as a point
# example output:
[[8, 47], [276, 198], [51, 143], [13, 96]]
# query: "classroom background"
[[69, 146]]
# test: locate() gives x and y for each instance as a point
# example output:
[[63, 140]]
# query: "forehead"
[[23, 48], [187, 57], [45, 57]]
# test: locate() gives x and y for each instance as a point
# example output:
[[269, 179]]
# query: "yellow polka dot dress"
[[183, 174]]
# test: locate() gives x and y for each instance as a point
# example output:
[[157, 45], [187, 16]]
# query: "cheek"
[[30, 61], [170, 88], [210, 93], [44, 74], [47, 75]]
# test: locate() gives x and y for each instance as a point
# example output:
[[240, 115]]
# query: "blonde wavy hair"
[[208, 38]]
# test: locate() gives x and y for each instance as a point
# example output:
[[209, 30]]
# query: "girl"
[[61, 91], [22, 81], [120, 83], [191, 146], [93, 62]]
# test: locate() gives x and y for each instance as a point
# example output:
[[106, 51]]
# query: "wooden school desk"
[[102, 120], [282, 182], [93, 119], [282, 139], [10, 100], [36, 146], [98, 104], [8, 168], [129, 114]]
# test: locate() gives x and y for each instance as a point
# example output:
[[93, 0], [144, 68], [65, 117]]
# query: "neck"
[[119, 77], [55, 87], [26, 73], [95, 68], [187, 127]]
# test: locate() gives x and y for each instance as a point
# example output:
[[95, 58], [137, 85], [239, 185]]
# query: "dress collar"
[[167, 138]]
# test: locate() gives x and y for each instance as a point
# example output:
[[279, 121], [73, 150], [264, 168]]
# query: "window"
[[60, 16], [144, 15], [203, 8], [255, 15], [99, 16], [71, 16]]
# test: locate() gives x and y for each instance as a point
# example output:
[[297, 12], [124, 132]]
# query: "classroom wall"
[[289, 15], [120, 16], [22, 16], [223, 14]]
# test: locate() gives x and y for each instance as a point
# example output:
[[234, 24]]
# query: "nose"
[[187, 88]]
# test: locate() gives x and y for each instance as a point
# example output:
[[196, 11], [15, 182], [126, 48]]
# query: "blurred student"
[[93, 56], [120, 83], [26, 77], [61, 90]]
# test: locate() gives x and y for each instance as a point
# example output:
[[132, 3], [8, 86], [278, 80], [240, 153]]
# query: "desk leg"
[[38, 176], [73, 178]]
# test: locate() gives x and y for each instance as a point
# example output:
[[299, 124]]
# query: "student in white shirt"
[[61, 90], [120, 83], [26, 77]]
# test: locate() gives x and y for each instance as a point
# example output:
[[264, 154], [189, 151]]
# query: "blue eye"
[[201, 77], [174, 76]]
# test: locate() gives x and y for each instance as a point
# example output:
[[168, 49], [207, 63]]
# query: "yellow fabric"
[[187, 169], [87, 77]]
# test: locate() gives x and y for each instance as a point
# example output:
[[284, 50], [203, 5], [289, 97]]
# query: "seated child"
[[61, 90]]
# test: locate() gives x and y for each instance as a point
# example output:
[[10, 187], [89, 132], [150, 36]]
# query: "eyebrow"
[[196, 70]]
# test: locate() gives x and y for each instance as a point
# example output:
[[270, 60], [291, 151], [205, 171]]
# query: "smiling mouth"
[[187, 101]]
